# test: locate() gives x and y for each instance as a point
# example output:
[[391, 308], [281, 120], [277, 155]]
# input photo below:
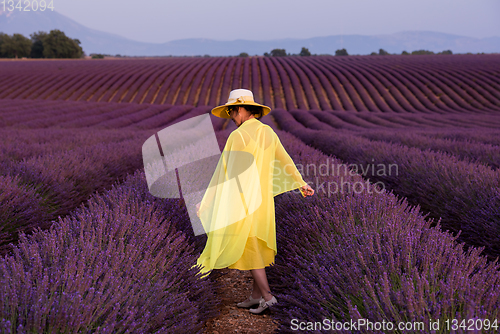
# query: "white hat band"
[[241, 99]]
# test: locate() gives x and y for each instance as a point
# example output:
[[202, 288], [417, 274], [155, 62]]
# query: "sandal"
[[249, 302]]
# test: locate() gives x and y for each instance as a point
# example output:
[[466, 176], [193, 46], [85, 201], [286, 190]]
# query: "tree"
[[446, 52], [37, 39], [404, 53], [422, 52], [373, 54], [382, 52], [15, 46], [266, 54], [342, 52], [304, 52], [2, 38], [243, 54], [57, 45], [278, 53]]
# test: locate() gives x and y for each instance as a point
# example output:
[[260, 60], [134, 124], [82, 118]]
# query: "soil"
[[235, 286]]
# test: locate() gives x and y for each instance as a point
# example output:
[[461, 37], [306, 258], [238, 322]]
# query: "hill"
[[94, 41]]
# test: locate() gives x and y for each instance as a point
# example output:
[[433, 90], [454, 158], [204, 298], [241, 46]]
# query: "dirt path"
[[235, 286]]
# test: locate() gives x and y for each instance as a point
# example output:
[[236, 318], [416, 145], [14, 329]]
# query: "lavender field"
[[85, 248]]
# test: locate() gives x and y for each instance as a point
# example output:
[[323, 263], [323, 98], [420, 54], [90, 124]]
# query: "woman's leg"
[[256, 291], [260, 280]]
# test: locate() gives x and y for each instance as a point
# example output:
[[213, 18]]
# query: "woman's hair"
[[256, 111]]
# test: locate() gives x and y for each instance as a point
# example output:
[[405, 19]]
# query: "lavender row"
[[52, 113], [458, 90], [169, 89], [121, 263], [438, 84], [454, 95], [54, 184], [347, 254], [227, 82], [26, 114], [151, 90], [329, 120], [185, 79], [426, 77], [465, 195], [210, 80], [336, 246], [463, 149], [266, 83], [308, 155], [19, 144], [129, 201], [127, 90], [368, 120], [368, 99], [486, 137], [297, 85]]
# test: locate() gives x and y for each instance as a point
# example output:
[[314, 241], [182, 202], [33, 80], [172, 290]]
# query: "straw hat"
[[238, 97]]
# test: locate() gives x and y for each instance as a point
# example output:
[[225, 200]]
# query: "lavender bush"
[[463, 149], [118, 264], [480, 136], [18, 144], [361, 255], [21, 208], [465, 195], [57, 183]]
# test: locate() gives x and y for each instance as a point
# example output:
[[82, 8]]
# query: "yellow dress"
[[237, 210]]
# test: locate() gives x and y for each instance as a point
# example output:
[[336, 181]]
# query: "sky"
[[160, 21]]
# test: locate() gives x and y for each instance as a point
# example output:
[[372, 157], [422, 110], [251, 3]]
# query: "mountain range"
[[95, 41]]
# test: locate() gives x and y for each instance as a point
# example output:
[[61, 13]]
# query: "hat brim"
[[221, 111]]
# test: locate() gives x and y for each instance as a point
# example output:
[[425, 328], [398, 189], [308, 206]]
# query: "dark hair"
[[256, 111]]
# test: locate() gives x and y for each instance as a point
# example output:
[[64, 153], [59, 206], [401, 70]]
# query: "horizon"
[[158, 23], [362, 31]]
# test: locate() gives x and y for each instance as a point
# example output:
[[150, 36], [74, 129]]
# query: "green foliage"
[[373, 54], [404, 53], [422, 52], [97, 56], [278, 53], [382, 52], [342, 52], [445, 52], [15, 46], [2, 37], [37, 39], [57, 45], [40, 45], [243, 54], [304, 52]]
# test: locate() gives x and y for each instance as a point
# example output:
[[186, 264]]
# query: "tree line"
[[54, 44], [341, 52]]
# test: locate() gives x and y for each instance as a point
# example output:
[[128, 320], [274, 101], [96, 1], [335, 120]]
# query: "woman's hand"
[[307, 190]]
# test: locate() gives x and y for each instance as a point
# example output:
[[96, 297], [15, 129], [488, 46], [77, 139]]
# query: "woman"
[[237, 209]]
